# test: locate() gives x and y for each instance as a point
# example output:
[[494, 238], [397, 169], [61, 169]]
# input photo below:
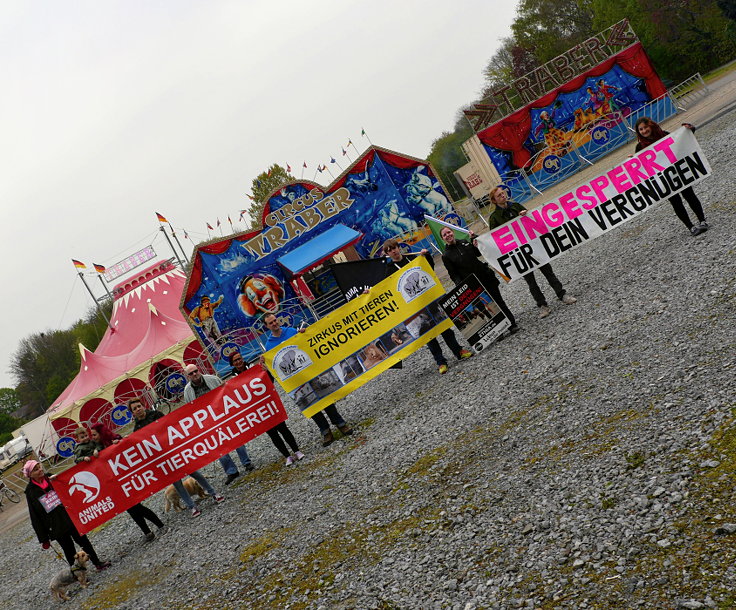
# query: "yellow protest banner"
[[355, 343]]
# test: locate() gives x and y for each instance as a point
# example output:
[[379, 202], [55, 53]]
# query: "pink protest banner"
[[594, 208], [170, 448]]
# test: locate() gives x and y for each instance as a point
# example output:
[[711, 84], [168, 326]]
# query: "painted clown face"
[[260, 292]]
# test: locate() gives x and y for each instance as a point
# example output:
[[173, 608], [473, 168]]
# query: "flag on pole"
[[350, 142], [186, 235], [288, 168], [99, 268], [436, 225], [79, 264], [344, 152], [362, 132], [319, 169], [241, 214], [230, 221], [160, 218], [250, 197], [209, 226], [305, 165], [332, 160], [258, 183], [218, 222]]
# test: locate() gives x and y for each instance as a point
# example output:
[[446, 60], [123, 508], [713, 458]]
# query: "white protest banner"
[[593, 208]]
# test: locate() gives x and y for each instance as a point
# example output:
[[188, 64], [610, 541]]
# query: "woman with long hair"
[[647, 133]]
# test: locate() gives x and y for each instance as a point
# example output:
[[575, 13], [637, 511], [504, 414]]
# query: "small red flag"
[[209, 226], [288, 168], [305, 164], [218, 222], [160, 218]]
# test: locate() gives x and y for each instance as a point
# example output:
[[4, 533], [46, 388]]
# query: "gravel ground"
[[586, 462]]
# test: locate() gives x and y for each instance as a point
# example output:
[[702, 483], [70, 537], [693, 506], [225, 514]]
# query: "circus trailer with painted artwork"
[[587, 101], [285, 267]]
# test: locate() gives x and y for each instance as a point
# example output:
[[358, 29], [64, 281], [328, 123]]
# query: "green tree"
[[262, 188], [548, 28], [7, 425], [9, 401]]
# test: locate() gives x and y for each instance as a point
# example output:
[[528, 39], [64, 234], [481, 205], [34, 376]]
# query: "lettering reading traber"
[[350, 327]]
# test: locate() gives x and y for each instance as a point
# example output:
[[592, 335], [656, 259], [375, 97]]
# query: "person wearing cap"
[[395, 261], [198, 385], [143, 417], [49, 518]]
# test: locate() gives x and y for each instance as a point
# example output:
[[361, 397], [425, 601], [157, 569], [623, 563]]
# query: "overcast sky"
[[112, 111]]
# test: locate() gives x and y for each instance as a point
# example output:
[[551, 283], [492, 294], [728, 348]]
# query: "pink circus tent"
[[147, 333]]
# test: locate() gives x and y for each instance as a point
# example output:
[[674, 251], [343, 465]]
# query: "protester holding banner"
[[103, 437], [49, 518], [461, 260], [143, 418], [277, 334], [506, 210], [280, 434], [648, 132], [197, 386], [396, 260]]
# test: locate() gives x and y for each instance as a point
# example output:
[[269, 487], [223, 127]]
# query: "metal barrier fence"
[[689, 92]]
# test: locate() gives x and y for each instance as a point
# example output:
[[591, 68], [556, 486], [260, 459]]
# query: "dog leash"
[[58, 554]]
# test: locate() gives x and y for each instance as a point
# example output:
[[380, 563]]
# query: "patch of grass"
[[635, 460], [424, 463], [118, 592]]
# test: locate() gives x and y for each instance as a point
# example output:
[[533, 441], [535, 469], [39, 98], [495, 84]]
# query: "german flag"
[[79, 264], [160, 218], [99, 268]]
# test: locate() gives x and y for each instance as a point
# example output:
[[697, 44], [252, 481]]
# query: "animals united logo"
[[85, 483]]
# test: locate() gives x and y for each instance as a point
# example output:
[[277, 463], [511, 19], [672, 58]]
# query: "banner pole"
[[176, 254]]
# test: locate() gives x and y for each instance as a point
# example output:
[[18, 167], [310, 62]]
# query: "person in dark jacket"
[[103, 437], [143, 417], [647, 133], [505, 210], [396, 260], [49, 518], [461, 260]]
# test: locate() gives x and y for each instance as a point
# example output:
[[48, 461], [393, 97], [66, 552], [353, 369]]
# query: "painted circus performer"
[[606, 93], [556, 140], [506, 210], [204, 316], [260, 292], [648, 132]]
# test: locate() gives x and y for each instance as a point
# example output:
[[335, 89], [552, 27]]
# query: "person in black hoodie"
[[396, 260], [49, 518], [461, 260]]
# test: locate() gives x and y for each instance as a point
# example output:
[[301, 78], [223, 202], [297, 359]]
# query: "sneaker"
[[150, 537], [327, 438], [250, 467], [568, 300], [103, 566], [346, 430], [465, 354], [704, 226], [163, 530], [696, 230], [299, 455], [219, 498], [289, 461], [196, 512], [231, 477], [544, 311], [443, 369]]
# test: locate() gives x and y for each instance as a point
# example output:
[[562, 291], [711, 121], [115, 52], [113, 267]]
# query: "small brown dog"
[[172, 499], [68, 576]]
